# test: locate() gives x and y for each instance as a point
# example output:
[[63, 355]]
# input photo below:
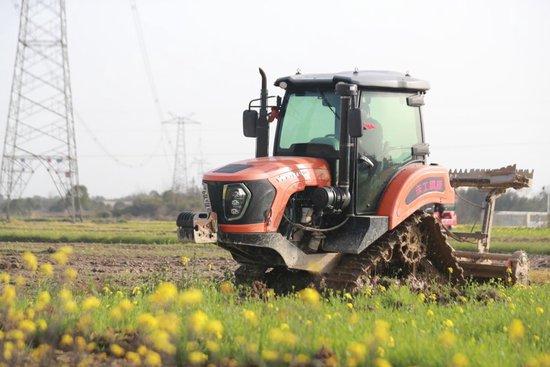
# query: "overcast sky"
[[488, 63]]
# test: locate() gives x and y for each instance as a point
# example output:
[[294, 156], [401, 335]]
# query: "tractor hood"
[[271, 168]]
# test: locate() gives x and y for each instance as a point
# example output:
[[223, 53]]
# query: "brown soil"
[[123, 266]]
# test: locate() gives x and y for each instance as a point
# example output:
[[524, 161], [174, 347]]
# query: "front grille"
[[262, 194]]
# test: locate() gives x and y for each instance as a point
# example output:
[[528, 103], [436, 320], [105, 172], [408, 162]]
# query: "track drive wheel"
[[411, 246]]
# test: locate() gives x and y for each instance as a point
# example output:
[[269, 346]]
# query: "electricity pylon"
[[40, 125], [180, 179]]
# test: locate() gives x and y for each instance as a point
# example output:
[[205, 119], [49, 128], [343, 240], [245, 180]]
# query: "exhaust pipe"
[[262, 138]]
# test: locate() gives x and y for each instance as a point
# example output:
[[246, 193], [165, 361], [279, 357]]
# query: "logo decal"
[[430, 184]]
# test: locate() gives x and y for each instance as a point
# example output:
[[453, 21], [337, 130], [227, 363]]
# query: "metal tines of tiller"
[[500, 178]]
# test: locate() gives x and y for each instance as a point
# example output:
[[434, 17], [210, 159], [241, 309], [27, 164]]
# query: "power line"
[[146, 60], [148, 157]]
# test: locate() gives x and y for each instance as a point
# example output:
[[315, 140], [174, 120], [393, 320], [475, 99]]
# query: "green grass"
[[143, 232], [479, 320], [504, 239], [510, 239]]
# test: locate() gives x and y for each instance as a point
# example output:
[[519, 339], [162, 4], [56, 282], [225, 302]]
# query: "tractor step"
[[512, 268]]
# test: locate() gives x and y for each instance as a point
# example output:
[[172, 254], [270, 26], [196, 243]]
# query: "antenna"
[[40, 126]]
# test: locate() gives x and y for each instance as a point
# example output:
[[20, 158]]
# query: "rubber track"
[[354, 271]]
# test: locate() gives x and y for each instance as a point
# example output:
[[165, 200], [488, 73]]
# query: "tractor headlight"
[[235, 200]]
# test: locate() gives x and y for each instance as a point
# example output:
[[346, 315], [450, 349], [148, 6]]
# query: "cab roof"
[[363, 78]]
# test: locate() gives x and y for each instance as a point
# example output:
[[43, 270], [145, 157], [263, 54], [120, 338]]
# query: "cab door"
[[390, 129]]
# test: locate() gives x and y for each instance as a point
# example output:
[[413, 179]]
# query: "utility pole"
[[40, 124], [180, 178], [546, 190]]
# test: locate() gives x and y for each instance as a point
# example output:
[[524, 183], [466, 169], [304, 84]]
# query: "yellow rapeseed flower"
[[161, 342], [42, 300], [516, 330], [448, 323], [68, 250], [8, 295], [190, 297], [60, 258], [310, 295], [381, 362], [459, 360], [80, 343], [125, 305], [164, 294], [8, 351], [381, 331], [41, 324], [20, 280], [71, 273], [46, 269], [269, 355], [70, 306], [90, 347], [15, 334], [430, 313], [84, 323], [142, 350], [184, 260], [282, 336], [27, 326], [197, 321], [116, 313], [30, 260], [196, 358], [117, 350], [302, 360], [90, 303], [227, 287], [153, 359], [447, 339], [65, 294], [212, 346], [169, 322], [39, 352], [357, 351], [250, 316], [66, 340], [539, 310], [147, 321], [214, 328], [133, 358], [136, 291], [4, 277]]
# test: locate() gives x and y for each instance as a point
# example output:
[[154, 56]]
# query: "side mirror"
[[355, 123], [420, 150], [416, 100], [250, 121]]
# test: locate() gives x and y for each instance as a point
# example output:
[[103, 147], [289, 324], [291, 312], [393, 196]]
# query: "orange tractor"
[[348, 192]]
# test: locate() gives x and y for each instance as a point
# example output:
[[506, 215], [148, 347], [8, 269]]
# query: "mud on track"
[[123, 266]]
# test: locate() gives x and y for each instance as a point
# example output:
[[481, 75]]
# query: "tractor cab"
[[389, 133]]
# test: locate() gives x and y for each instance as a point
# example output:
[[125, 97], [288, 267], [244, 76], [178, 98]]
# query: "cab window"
[[390, 129]]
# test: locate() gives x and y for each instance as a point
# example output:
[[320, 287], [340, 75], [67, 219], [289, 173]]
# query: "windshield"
[[310, 117]]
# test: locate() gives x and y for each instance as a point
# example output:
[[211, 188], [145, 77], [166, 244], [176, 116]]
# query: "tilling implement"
[[348, 191]]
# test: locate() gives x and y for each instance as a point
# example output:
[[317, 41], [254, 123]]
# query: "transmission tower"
[[40, 125], [180, 179]]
